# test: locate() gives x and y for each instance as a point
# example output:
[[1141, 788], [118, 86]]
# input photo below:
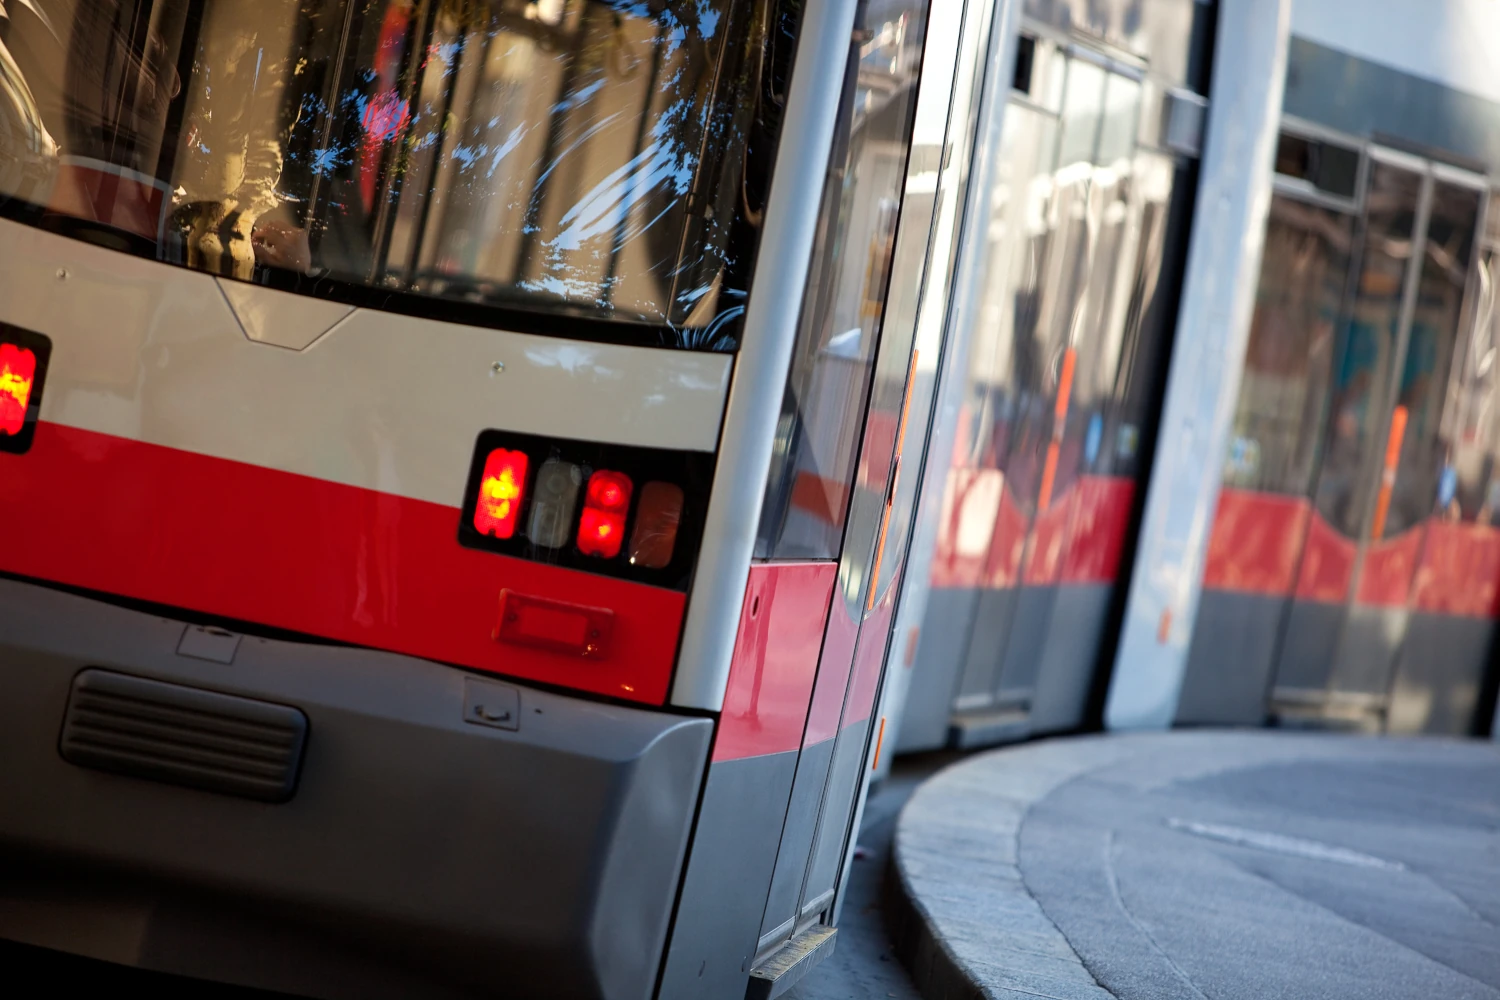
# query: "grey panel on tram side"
[[1371, 640], [728, 873], [1025, 645], [987, 636], [1311, 640], [1069, 657], [838, 810], [1440, 673], [1231, 658], [940, 654], [419, 853], [796, 841]]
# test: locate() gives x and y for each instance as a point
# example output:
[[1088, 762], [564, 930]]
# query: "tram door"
[[845, 425], [1386, 477], [1041, 488]]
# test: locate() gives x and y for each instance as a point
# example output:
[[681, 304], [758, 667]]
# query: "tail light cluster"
[[23, 368], [617, 510]]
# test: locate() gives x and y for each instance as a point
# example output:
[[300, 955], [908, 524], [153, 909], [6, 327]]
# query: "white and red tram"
[[446, 452]]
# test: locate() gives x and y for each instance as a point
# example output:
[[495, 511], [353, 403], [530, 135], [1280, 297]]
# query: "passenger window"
[[594, 159], [1285, 389]]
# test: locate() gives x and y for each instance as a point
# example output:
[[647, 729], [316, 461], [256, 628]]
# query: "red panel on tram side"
[[833, 676], [775, 659], [1386, 578], [292, 552], [1327, 563], [1096, 537], [1007, 544], [1459, 573], [1049, 540], [875, 633], [1255, 542]]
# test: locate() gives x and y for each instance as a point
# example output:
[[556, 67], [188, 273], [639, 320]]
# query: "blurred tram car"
[[1282, 514]]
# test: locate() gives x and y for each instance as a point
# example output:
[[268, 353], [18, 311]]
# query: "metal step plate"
[[797, 958]]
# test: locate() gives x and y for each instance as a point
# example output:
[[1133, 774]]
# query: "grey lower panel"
[[420, 854], [1230, 660], [1069, 657], [1024, 645], [1367, 650], [796, 842], [838, 812], [728, 874], [1440, 674], [940, 653], [987, 633], [1305, 662]]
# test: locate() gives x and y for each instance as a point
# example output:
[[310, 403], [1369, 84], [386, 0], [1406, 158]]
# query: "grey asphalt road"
[[1224, 865]]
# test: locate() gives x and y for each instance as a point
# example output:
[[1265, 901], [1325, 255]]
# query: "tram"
[[1285, 520], [448, 452], [485, 483]]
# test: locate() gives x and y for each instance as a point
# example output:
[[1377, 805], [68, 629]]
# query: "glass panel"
[[1039, 358], [1473, 434], [1098, 338], [593, 157], [1429, 355], [1278, 417], [1358, 412], [1149, 311], [814, 464], [1017, 227]]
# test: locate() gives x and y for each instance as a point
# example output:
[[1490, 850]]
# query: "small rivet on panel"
[[62, 274], [497, 368]]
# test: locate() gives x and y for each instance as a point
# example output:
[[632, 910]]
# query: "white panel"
[[151, 351], [1218, 297], [1455, 42], [281, 318]]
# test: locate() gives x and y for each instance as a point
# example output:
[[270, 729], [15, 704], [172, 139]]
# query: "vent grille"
[[183, 736]]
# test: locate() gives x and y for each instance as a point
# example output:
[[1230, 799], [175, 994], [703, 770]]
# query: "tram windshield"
[[487, 160]]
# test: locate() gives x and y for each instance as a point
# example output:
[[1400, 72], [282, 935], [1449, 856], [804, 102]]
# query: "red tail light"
[[500, 493], [601, 531], [17, 374]]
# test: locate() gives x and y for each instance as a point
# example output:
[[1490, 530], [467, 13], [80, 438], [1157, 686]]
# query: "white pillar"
[[1218, 298]]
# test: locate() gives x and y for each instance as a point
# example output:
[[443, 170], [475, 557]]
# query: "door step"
[[785, 968], [980, 730]]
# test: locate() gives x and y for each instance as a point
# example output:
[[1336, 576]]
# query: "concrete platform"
[[1204, 864]]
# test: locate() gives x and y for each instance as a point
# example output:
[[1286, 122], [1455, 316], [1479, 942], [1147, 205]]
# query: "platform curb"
[[956, 844]]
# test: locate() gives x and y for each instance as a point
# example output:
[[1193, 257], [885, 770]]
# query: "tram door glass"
[[1071, 258], [1398, 402], [834, 452]]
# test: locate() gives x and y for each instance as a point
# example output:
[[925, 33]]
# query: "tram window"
[[1025, 58], [1354, 441], [814, 465], [1327, 166], [590, 158], [1472, 427], [1285, 389], [1423, 389], [1148, 316]]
